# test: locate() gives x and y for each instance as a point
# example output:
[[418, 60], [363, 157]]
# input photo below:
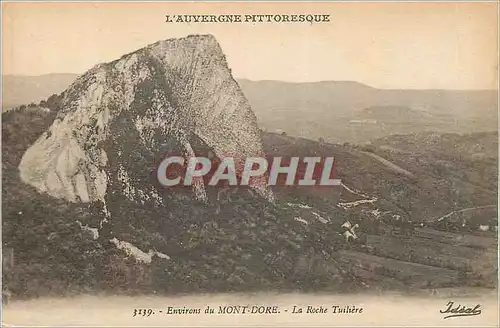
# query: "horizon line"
[[284, 81]]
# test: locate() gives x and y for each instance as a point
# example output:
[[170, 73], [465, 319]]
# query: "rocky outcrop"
[[115, 119]]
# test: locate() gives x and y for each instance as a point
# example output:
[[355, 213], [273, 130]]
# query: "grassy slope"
[[246, 245]]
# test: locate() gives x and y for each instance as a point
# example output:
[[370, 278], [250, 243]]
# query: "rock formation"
[[115, 119]]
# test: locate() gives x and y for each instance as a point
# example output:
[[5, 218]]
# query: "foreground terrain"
[[245, 243]]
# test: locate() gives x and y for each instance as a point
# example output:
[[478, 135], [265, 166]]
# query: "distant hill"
[[354, 112], [397, 113], [337, 111], [21, 90]]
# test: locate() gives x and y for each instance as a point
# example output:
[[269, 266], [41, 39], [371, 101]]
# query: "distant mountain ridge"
[[21, 90], [332, 110], [326, 109]]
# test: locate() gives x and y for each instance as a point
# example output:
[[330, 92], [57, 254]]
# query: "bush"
[[369, 148]]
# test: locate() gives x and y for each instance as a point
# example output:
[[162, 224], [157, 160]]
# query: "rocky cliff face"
[[117, 118]]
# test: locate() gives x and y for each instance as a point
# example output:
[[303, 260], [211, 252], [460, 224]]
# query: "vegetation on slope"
[[244, 243]]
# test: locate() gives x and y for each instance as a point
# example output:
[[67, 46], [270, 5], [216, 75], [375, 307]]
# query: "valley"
[[247, 244], [82, 211]]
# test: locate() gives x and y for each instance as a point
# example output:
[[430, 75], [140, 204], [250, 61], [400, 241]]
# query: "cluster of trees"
[[53, 103]]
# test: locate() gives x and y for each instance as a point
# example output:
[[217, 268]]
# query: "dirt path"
[[461, 211], [367, 200], [389, 164]]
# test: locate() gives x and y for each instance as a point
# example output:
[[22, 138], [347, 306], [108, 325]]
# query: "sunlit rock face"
[[117, 118]]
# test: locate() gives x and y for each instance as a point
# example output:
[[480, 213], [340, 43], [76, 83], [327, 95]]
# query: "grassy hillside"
[[243, 243], [246, 244]]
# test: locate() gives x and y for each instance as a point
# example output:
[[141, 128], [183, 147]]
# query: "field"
[[417, 261]]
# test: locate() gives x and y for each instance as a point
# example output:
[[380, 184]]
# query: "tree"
[[54, 102]]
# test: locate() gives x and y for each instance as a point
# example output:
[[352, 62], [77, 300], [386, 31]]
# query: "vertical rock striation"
[[116, 117]]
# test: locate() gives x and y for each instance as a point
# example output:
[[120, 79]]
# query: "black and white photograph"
[[193, 164]]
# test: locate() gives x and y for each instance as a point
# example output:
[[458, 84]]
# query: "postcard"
[[277, 164]]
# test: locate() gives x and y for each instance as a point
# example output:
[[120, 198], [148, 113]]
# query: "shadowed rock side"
[[170, 92]]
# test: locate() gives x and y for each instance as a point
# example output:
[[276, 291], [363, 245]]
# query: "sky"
[[386, 45]]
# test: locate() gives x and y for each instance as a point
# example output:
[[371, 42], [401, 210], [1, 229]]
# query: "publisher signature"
[[460, 310]]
